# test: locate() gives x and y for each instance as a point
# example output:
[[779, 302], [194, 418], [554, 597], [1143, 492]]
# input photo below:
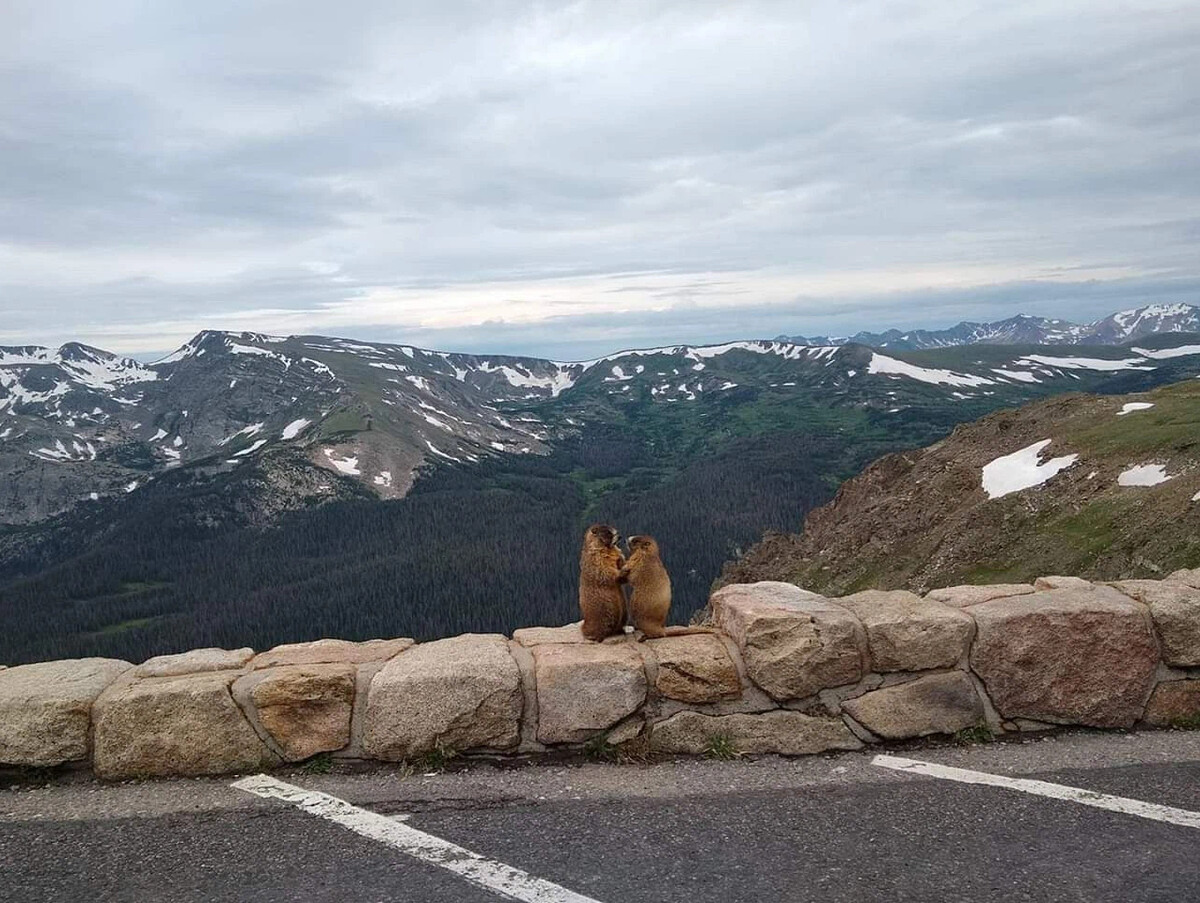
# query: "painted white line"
[[488, 874], [1121, 804]]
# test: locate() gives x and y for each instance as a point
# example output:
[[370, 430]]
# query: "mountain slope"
[[1115, 329], [1105, 487]]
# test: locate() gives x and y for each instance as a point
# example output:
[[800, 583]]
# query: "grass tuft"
[[321, 763], [721, 746], [970, 736]]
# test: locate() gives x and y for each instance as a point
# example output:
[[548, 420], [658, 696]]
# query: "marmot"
[[650, 602], [601, 598]]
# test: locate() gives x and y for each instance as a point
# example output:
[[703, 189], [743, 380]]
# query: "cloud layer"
[[563, 179]]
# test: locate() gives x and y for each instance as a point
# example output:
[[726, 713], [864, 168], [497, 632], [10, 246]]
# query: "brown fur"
[[601, 598], [650, 603]]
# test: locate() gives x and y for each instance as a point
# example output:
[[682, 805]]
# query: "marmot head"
[[644, 544], [602, 534]]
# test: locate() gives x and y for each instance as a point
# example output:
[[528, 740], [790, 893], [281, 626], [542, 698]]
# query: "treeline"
[[481, 548]]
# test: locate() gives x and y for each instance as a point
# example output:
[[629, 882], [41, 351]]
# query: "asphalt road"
[[822, 829]]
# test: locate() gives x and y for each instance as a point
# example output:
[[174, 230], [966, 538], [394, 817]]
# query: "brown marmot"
[[601, 597], [650, 602]]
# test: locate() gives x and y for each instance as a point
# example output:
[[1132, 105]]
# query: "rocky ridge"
[[80, 425], [1115, 329]]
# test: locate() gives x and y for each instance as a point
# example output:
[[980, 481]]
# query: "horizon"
[[561, 180], [158, 355]]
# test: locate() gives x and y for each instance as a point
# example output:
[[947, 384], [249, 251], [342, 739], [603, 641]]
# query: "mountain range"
[[1115, 329], [252, 489]]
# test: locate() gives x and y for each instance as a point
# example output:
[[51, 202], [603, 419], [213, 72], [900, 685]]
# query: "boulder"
[[306, 709], [583, 690], [1175, 609], [1175, 703], [1066, 656], [967, 595], [695, 668], [460, 694], [321, 652], [936, 704], [1190, 577], [908, 633], [781, 732], [183, 725], [46, 708], [193, 662], [794, 642]]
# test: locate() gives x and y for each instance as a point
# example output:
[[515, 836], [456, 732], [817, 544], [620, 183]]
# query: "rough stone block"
[[936, 704], [194, 662], [695, 669], [583, 690], [908, 633], [780, 732], [794, 643], [305, 709], [1066, 656], [45, 709], [322, 652], [461, 693], [184, 725], [1174, 702], [1175, 609]]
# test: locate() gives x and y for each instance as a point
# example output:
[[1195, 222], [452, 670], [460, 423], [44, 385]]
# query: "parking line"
[[1121, 804], [485, 873]]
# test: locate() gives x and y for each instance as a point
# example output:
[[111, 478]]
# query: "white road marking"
[[1121, 804], [488, 874]]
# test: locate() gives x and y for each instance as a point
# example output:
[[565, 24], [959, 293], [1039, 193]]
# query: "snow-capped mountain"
[[78, 424], [1121, 327]]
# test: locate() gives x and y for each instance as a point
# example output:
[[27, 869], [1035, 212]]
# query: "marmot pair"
[[602, 572]]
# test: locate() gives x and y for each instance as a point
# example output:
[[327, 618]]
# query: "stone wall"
[[786, 671]]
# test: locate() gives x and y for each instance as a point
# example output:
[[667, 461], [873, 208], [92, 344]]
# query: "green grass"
[[1186, 723], [123, 626], [321, 763], [600, 749], [133, 587], [722, 747], [435, 760], [970, 736]]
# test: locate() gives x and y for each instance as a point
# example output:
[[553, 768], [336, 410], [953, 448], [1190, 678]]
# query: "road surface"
[[830, 828]]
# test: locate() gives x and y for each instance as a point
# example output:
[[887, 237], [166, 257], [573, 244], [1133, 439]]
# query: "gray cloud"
[[777, 167]]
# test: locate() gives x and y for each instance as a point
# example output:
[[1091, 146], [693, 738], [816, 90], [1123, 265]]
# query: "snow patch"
[[1022, 470], [892, 367], [1018, 375], [1132, 406], [1164, 353], [293, 429], [1144, 475], [1086, 363], [384, 479], [347, 465]]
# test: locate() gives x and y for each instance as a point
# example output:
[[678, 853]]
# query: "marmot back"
[[650, 603]]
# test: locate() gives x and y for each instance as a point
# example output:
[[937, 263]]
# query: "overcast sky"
[[567, 179]]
